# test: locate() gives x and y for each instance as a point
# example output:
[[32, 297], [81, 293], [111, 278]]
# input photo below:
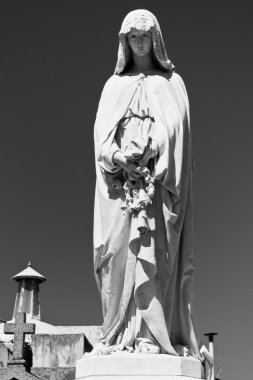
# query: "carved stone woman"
[[143, 251]]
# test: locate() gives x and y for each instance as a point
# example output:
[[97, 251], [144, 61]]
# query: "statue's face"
[[140, 41]]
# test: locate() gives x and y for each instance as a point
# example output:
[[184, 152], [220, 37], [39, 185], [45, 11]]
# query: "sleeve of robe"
[[113, 103]]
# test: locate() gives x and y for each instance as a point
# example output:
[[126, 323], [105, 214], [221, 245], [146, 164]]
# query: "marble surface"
[[126, 365], [138, 378]]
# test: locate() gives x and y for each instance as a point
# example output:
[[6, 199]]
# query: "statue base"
[[124, 366]]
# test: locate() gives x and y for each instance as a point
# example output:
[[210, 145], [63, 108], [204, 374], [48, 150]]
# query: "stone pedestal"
[[126, 366]]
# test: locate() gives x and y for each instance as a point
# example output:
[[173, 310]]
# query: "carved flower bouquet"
[[139, 190]]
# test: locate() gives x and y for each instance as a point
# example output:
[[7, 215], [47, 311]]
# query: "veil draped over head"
[[142, 19]]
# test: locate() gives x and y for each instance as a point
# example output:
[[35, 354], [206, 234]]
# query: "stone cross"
[[20, 328]]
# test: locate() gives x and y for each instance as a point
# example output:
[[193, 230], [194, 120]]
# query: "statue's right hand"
[[121, 160]]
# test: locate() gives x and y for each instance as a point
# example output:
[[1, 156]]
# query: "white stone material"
[[138, 377], [123, 366]]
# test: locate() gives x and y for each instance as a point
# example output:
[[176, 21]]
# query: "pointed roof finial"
[[29, 272]]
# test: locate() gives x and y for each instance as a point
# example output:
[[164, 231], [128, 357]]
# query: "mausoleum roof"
[[29, 272]]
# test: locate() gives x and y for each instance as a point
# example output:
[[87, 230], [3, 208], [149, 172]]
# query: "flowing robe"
[[155, 270]]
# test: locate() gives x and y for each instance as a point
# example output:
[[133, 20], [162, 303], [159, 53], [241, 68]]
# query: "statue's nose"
[[139, 42]]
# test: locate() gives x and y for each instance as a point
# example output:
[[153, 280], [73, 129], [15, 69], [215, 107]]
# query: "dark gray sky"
[[55, 59]]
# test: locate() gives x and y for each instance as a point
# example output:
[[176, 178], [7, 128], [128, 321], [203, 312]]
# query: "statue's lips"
[[142, 51]]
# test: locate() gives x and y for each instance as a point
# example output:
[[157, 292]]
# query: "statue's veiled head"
[[142, 20]]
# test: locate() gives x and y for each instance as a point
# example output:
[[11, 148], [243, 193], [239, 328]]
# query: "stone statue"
[[143, 251]]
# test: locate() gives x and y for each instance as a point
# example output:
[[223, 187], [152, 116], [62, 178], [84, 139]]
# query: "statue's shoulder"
[[115, 78], [165, 76], [177, 80], [112, 83], [173, 77]]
